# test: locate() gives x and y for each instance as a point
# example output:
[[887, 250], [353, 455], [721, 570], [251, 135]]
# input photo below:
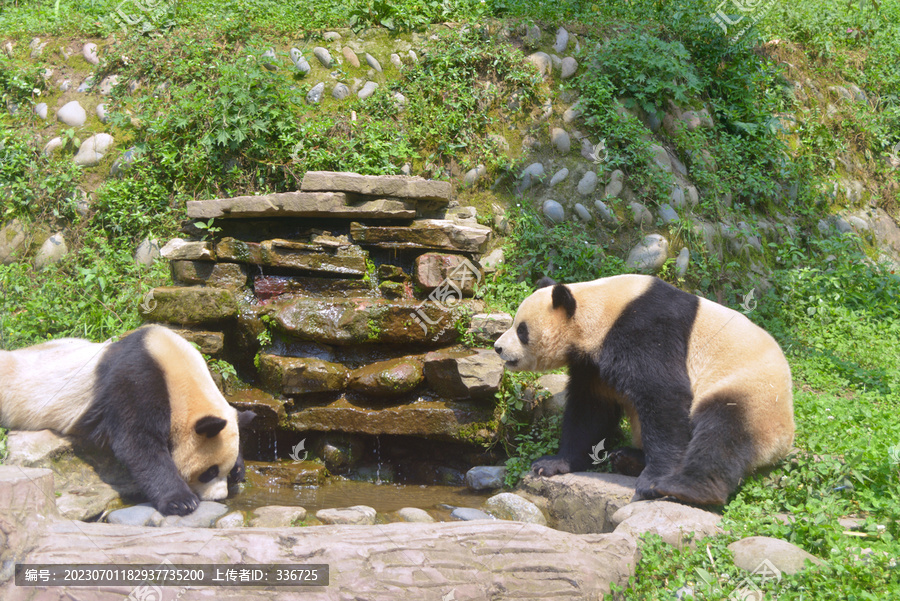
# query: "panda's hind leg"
[[628, 461], [719, 454]]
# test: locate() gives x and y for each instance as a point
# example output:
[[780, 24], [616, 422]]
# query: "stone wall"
[[347, 300]]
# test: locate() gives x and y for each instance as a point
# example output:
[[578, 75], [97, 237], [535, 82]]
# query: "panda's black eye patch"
[[209, 474], [522, 332]]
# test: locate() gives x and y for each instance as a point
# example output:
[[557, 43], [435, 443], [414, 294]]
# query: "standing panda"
[[148, 397], [707, 392]]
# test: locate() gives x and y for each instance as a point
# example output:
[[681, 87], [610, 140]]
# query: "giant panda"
[[707, 392], [148, 397]]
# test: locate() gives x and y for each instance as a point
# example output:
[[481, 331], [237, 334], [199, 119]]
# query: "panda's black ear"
[[245, 418], [562, 297], [544, 282], [209, 425]]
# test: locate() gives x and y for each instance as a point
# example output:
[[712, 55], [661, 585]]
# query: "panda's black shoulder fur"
[[131, 414], [130, 394]]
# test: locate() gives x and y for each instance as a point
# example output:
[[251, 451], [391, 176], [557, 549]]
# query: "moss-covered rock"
[[390, 378], [191, 305]]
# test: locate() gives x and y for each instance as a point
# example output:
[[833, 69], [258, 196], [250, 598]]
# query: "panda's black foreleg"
[[665, 436], [589, 419], [147, 457]]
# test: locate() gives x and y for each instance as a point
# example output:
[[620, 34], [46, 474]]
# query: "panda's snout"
[[499, 350]]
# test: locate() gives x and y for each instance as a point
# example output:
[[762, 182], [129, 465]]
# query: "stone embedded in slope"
[[426, 234], [92, 150], [302, 204], [464, 375], [72, 114], [301, 375], [393, 377], [441, 419], [52, 251], [751, 552], [400, 186], [189, 305]]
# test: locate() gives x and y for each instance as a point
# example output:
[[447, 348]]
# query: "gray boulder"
[[53, 250], [649, 254], [675, 523], [358, 515], [485, 477], [751, 552], [510, 506]]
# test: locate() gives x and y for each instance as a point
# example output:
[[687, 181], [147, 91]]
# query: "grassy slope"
[[836, 319]]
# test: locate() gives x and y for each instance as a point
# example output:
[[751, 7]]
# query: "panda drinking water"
[[148, 397], [707, 392]]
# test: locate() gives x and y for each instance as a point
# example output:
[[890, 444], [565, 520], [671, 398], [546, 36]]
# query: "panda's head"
[[209, 457], [543, 330]]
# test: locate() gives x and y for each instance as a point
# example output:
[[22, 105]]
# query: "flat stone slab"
[[346, 260], [447, 420], [400, 186], [426, 234], [302, 204], [364, 320], [471, 560], [87, 479], [269, 410]]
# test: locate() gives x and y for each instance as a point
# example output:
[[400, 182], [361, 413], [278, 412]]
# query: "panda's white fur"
[[149, 397], [696, 372]]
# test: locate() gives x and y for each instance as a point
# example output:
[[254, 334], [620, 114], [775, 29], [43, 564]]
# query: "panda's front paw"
[[550, 466], [181, 503]]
